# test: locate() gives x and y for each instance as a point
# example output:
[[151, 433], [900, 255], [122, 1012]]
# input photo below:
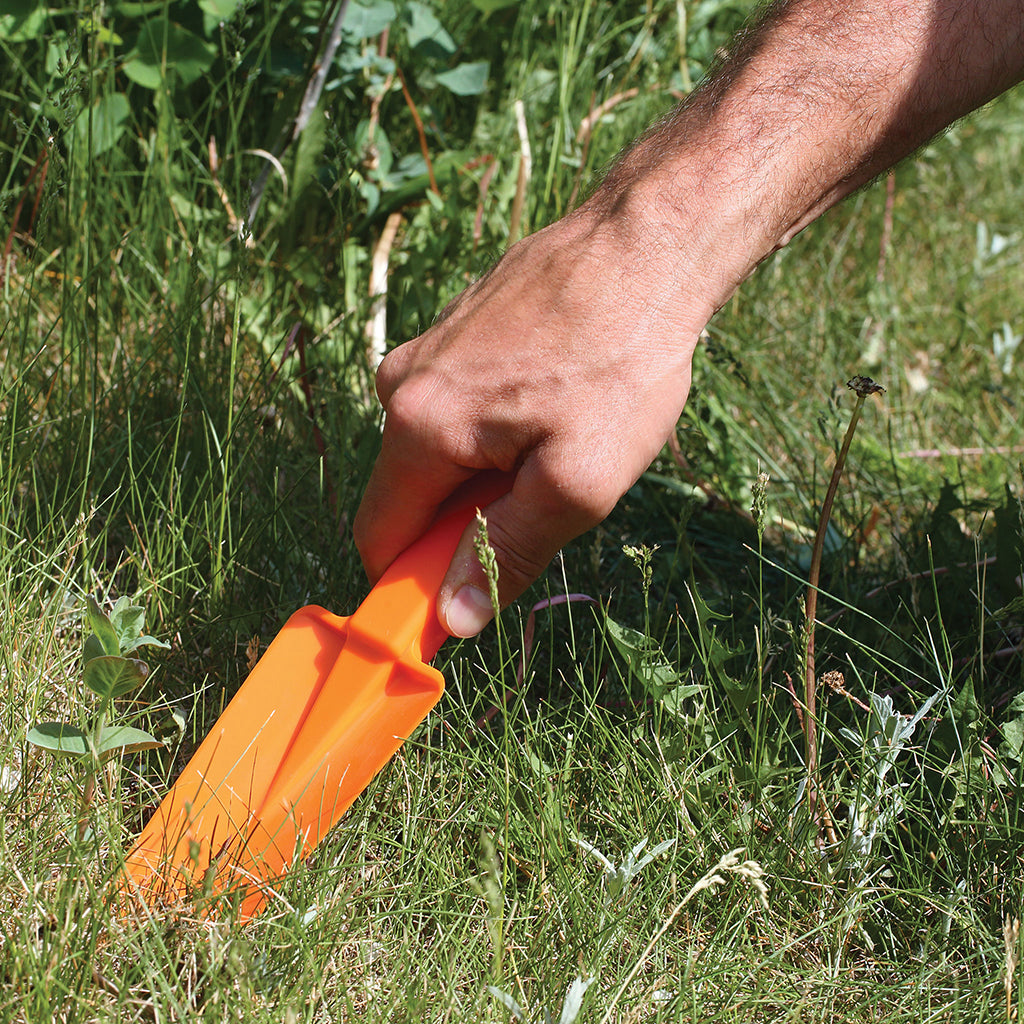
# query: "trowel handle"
[[401, 610]]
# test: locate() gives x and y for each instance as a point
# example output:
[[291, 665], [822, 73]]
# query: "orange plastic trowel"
[[321, 713]]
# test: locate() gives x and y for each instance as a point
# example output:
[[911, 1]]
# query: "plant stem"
[[89, 785], [862, 386]]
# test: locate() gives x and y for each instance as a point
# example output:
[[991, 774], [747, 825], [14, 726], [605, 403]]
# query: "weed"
[[862, 387], [110, 673]]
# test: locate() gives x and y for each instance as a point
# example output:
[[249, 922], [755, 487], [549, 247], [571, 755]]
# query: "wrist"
[[689, 230]]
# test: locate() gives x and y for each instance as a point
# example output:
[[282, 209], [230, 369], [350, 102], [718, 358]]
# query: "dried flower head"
[[864, 386]]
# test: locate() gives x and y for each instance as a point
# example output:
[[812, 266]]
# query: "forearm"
[[810, 104], [569, 363]]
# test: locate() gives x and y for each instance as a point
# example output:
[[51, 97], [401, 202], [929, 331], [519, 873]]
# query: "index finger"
[[405, 491]]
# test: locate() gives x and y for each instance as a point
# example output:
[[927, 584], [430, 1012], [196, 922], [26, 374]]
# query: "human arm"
[[569, 363]]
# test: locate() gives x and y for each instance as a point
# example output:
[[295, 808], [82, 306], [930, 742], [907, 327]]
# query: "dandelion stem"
[[862, 386]]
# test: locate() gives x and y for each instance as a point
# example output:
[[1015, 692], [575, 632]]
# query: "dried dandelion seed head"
[[864, 386], [834, 680]]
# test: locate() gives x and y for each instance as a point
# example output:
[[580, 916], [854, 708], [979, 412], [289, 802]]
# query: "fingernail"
[[468, 612]]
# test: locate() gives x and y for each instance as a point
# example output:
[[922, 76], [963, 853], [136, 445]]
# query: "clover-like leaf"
[[127, 620], [125, 739], [145, 640], [113, 677], [101, 626], [92, 648], [60, 738], [466, 79]]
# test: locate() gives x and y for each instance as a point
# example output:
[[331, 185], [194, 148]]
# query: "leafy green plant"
[[110, 671]]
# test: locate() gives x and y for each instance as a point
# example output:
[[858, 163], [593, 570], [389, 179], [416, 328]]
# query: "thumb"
[[525, 528]]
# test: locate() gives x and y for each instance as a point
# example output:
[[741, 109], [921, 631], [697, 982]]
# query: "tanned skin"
[[569, 363]]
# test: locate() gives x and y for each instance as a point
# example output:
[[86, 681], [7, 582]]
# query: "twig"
[[375, 102], [377, 325], [310, 99], [234, 224], [586, 129], [939, 453], [523, 178], [682, 33], [485, 184], [797, 706], [596, 113]]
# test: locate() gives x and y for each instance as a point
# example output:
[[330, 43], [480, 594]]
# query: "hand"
[[567, 365]]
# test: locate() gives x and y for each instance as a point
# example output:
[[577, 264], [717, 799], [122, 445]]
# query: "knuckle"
[[409, 406]]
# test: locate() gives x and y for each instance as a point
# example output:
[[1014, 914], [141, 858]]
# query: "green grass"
[[189, 419]]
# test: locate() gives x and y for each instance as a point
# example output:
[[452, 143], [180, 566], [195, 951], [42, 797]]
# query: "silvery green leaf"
[[574, 999], [652, 854], [126, 739], [595, 852], [60, 737], [508, 1002], [101, 626]]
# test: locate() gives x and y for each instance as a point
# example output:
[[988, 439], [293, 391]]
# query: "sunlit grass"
[[188, 419]]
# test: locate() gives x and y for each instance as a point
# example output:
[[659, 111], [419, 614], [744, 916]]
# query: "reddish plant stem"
[[810, 612], [40, 167], [420, 132]]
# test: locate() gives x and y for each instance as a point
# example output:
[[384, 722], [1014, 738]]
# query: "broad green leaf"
[[425, 33], [964, 709], [217, 11], [101, 626], [127, 620], [367, 19], [92, 648], [103, 33], [125, 739], [1013, 730], [1013, 739], [22, 20], [60, 737], [490, 6], [130, 9], [644, 657], [673, 698], [309, 158], [101, 126], [165, 48], [113, 677], [174, 723], [466, 79], [146, 641], [714, 652]]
